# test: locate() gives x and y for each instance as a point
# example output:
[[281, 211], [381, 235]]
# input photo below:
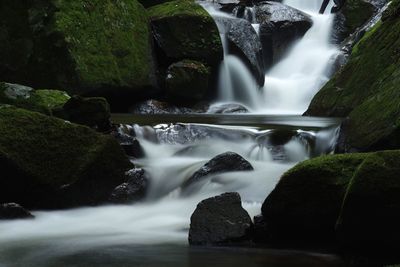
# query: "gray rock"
[[13, 211], [220, 220], [133, 190]]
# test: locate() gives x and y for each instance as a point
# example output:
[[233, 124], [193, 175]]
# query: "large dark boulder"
[[304, 206], [51, 163], [244, 42], [187, 81], [184, 30], [366, 90], [220, 220], [280, 27], [134, 189], [97, 47], [13, 211], [226, 162], [369, 219]]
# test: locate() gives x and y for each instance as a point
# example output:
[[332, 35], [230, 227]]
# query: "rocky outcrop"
[[134, 189], [48, 102], [366, 90], [226, 162], [280, 26], [220, 220], [184, 30], [187, 81], [101, 47], [243, 41], [50, 163], [13, 211]]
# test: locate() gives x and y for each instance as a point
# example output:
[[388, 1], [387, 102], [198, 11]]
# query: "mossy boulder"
[[351, 16], [44, 101], [50, 163], [90, 111], [184, 30], [370, 217], [84, 47], [304, 206], [187, 80], [150, 3], [366, 90]]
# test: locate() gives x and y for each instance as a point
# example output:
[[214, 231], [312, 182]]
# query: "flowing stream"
[[154, 232]]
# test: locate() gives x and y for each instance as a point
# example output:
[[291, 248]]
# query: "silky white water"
[[164, 217]]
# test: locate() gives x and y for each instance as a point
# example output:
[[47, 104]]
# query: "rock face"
[[307, 200], [219, 220], [243, 41], [134, 189], [366, 90], [350, 200], [44, 101], [184, 30], [99, 47], [91, 111], [50, 163], [13, 211], [226, 162], [187, 81], [353, 14], [280, 26]]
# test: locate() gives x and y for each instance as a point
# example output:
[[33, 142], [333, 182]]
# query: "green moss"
[[366, 90], [356, 12], [307, 200], [183, 29], [40, 155]]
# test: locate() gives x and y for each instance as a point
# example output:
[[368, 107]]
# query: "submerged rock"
[[13, 211], [134, 189], [100, 47], [366, 90], [220, 220], [280, 26], [187, 80], [184, 30], [226, 162], [50, 163]]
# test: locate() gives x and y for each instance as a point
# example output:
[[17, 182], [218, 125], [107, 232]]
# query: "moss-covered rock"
[[187, 80], [353, 14], [183, 29], [306, 203], [81, 46], [91, 111], [43, 101], [149, 3], [50, 163], [370, 216], [367, 89]]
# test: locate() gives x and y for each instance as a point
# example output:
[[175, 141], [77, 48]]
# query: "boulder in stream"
[[13, 211], [134, 189], [220, 220]]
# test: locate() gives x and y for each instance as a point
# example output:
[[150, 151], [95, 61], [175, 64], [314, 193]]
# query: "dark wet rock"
[[184, 30], [97, 48], [227, 108], [134, 189], [51, 163], [244, 42], [48, 102], [305, 205], [152, 106], [128, 141], [220, 220], [90, 111], [187, 80], [13, 211], [260, 228], [280, 26], [226, 162]]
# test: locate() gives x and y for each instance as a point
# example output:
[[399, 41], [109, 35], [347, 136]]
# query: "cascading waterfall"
[[180, 149]]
